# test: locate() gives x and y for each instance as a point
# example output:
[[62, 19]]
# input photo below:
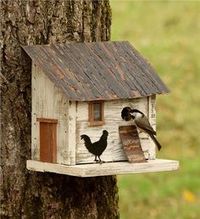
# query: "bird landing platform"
[[104, 169]]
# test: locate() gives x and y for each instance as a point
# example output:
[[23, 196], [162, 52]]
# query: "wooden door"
[[48, 141]]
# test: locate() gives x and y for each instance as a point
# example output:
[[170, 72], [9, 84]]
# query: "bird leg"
[[96, 159], [100, 161]]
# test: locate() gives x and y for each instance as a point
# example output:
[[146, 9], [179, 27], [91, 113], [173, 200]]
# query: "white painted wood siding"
[[112, 114], [49, 102]]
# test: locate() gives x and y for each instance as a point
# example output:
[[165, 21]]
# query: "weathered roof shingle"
[[97, 70]]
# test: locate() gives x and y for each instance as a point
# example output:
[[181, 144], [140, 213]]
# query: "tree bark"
[[26, 194]]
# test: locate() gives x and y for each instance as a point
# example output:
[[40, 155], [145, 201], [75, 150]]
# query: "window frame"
[[91, 120]]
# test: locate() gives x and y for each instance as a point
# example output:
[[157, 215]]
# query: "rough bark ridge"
[[42, 195]]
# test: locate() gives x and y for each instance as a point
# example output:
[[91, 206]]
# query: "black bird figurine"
[[98, 147], [141, 121]]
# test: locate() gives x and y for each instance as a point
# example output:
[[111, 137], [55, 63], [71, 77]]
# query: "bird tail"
[[155, 141]]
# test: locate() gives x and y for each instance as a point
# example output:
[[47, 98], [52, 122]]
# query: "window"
[[48, 141], [96, 113]]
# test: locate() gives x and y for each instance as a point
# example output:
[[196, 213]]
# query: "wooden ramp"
[[131, 144]]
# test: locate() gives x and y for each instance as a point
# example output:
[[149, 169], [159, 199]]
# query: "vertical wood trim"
[[54, 140], [152, 110], [72, 133], [35, 142], [33, 119], [152, 120], [102, 111], [90, 112], [149, 107]]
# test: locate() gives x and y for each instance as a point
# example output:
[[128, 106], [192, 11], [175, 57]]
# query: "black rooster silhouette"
[[98, 147]]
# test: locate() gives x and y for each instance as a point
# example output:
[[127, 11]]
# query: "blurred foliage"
[[167, 33]]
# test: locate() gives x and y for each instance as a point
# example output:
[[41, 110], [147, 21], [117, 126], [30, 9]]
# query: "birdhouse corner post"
[[27, 194]]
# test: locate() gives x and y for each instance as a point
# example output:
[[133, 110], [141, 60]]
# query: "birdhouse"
[[78, 93]]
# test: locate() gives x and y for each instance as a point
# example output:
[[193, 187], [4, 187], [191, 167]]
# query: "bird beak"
[[127, 118]]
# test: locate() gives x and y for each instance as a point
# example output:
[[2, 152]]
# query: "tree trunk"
[[35, 195]]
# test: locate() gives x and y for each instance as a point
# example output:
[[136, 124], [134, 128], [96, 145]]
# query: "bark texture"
[[43, 195]]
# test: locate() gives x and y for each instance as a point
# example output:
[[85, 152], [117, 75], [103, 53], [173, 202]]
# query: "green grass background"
[[167, 33]]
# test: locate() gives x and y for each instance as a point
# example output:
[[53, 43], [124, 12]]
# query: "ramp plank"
[[131, 144]]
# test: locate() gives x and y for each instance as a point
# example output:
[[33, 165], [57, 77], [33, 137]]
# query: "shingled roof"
[[97, 70]]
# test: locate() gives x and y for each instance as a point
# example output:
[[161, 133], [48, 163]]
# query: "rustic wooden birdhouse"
[[80, 89]]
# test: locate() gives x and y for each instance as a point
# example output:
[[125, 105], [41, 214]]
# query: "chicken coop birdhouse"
[[78, 93]]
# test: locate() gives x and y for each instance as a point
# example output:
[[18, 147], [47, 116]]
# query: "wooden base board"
[[115, 168]]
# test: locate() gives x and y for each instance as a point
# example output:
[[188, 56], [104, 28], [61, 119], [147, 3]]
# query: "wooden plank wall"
[[112, 113], [49, 102]]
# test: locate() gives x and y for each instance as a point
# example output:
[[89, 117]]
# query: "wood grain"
[[48, 141], [116, 168], [49, 104], [131, 144], [97, 70], [112, 117]]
